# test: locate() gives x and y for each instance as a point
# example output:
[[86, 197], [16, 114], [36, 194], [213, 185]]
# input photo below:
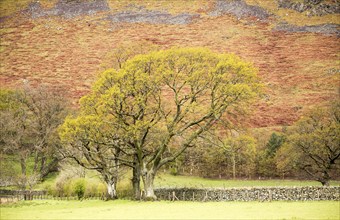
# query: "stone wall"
[[251, 194]]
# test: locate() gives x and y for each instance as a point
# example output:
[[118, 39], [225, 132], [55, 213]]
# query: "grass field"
[[121, 209]]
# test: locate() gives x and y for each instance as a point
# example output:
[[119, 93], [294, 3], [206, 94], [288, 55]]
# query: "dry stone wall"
[[251, 194]]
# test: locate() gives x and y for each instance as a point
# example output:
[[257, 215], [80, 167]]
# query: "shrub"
[[62, 187], [91, 189], [101, 189], [173, 171], [79, 188], [68, 189], [124, 190]]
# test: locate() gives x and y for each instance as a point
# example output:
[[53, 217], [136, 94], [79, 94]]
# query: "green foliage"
[[28, 122], [242, 151], [313, 144], [10, 169], [174, 171], [7, 99], [125, 190], [155, 104], [274, 143], [213, 157], [79, 188], [267, 166], [65, 186], [101, 189]]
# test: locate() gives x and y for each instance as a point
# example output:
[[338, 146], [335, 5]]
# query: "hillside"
[[63, 43]]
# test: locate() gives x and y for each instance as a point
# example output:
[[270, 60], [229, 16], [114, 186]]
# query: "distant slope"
[[63, 44]]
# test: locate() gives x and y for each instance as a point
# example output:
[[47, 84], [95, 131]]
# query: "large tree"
[[158, 104], [313, 144], [89, 138], [29, 119]]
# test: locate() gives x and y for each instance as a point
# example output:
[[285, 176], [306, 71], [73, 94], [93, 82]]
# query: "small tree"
[[29, 119], [274, 143], [79, 188], [313, 144], [116, 58], [242, 152], [267, 157]]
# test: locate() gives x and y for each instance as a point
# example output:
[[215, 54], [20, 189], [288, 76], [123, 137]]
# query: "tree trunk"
[[42, 164], [23, 166], [325, 182], [111, 182], [136, 182], [111, 190], [49, 168], [234, 165], [36, 161], [325, 179], [148, 179]]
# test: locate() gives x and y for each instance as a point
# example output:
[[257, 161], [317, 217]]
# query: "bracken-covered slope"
[[63, 44]]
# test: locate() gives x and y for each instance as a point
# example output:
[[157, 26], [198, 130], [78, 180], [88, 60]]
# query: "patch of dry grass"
[[68, 54], [8, 7]]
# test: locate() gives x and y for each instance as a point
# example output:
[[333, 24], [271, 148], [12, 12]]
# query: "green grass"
[[165, 180], [122, 209]]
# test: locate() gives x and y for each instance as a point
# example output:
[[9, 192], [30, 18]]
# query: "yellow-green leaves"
[[8, 100], [178, 88], [162, 100]]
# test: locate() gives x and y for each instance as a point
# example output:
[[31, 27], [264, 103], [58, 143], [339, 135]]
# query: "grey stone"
[[153, 17], [310, 193], [68, 9], [327, 29], [239, 8]]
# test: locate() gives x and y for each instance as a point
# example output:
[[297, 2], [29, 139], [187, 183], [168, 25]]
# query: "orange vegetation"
[[299, 69]]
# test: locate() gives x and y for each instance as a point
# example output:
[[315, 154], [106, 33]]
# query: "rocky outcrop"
[[68, 9], [311, 7], [239, 8], [134, 14], [326, 29], [151, 16]]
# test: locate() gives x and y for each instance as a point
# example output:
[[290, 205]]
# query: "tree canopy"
[[156, 105], [29, 121], [313, 144]]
